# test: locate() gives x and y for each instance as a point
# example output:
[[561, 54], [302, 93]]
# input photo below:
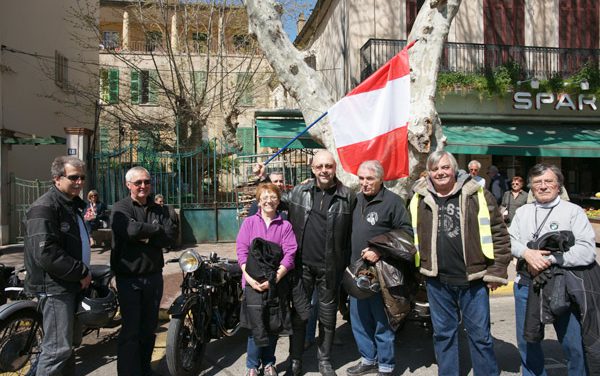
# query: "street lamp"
[[534, 83]]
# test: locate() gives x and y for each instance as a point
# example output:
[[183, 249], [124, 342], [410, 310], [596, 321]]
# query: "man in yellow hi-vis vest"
[[464, 251]]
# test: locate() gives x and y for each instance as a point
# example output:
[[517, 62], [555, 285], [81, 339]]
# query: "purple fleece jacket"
[[279, 231]]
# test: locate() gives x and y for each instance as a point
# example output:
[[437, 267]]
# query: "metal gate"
[[22, 194]]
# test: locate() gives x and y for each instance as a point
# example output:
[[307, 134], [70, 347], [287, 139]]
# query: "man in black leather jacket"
[[57, 258], [321, 214], [140, 231]]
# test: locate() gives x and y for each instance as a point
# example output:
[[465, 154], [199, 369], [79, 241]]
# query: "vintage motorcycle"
[[208, 307], [21, 331]]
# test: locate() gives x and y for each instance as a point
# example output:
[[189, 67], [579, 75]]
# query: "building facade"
[[42, 70], [517, 84]]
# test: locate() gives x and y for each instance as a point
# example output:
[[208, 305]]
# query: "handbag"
[[360, 279]]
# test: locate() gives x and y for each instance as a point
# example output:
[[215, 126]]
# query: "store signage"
[[523, 100]]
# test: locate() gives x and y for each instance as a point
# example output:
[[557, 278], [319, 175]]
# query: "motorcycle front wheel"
[[185, 350], [21, 337]]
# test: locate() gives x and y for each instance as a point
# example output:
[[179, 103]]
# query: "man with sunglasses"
[[140, 231], [57, 259], [378, 211]]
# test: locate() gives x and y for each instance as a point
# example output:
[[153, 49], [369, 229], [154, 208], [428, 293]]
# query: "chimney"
[[300, 23]]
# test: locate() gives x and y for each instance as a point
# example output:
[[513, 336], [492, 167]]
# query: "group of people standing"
[[464, 242], [57, 259], [464, 249]]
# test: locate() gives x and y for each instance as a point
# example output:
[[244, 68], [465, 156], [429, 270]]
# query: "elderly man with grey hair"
[[464, 253], [141, 229], [547, 214], [377, 211], [474, 167]]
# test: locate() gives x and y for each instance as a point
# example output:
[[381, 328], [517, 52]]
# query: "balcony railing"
[[539, 62]]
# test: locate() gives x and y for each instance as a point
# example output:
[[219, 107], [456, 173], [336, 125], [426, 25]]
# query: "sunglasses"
[[74, 178], [138, 183]]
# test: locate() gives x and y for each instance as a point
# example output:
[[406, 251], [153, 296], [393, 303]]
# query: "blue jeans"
[[257, 356], [568, 331], [57, 357], [372, 332], [139, 300], [448, 304]]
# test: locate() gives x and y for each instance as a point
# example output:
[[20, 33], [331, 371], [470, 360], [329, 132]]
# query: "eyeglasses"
[[138, 183], [539, 183], [75, 178], [473, 169], [269, 198], [327, 166]]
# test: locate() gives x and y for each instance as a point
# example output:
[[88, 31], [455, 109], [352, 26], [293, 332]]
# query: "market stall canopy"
[[522, 139], [276, 133]]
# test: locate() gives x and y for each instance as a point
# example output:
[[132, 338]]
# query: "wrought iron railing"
[[539, 62]]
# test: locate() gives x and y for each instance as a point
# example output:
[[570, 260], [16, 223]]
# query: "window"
[[153, 40], [412, 9], [199, 84], [144, 87], [241, 43], [243, 89], [200, 42], [109, 85], [61, 70], [104, 138], [111, 40]]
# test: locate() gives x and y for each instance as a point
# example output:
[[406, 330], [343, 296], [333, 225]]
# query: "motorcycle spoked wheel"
[[14, 332], [185, 351]]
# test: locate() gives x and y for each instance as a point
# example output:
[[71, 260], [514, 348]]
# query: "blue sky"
[[289, 19]]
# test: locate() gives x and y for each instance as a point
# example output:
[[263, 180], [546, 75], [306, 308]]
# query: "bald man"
[[320, 211]]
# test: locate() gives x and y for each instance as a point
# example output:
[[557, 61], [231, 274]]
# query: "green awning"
[[527, 140], [275, 133]]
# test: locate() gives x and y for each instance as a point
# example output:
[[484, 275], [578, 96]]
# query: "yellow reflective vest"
[[483, 218]]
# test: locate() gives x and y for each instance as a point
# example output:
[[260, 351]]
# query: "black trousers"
[[314, 277], [139, 299]]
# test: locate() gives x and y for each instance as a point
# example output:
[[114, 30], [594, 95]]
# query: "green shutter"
[[104, 94], [104, 139], [135, 86], [153, 86], [246, 138], [113, 86]]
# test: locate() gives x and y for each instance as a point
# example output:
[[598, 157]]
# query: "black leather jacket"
[[53, 244], [339, 225]]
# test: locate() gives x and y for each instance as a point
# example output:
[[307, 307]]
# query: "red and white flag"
[[371, 122]]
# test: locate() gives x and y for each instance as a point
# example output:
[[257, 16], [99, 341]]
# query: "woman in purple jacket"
[[268, 225]]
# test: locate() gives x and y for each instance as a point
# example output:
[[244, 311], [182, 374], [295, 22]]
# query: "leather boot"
[[325, 343], [295, 368]]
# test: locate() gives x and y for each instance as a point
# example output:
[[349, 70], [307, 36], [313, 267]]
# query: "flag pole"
[[295, 138]]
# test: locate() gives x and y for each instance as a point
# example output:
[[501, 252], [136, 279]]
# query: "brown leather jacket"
[[478, 266]]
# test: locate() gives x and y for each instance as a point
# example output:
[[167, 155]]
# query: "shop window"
[[144, 87], [109, 85]]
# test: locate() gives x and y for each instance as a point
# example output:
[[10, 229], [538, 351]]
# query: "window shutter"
[[135, 87], [244, 89], [153, 86], [104, 95], [246, 138], [113, 86]]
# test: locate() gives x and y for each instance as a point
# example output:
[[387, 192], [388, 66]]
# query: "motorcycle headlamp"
[[189, 261]]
